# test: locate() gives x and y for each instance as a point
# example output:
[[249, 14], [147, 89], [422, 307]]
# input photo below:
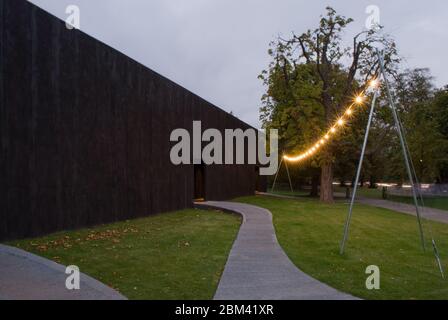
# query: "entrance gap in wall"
[[199, 182], [258, 187]]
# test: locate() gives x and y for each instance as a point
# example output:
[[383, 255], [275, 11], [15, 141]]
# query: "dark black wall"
[[85, 131]]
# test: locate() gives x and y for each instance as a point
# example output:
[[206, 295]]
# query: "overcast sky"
[[217, 48]]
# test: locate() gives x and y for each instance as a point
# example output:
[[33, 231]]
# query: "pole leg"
[[403, 147], [289, 177], [276, 175], [358, 173]]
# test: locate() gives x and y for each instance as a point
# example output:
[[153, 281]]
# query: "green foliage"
[[292, 105], [421, 115], [441, 108], [421, 109], [440, 105], [308, 85], [312, 77]]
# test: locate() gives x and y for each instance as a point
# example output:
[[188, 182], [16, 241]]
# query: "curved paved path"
[[258, 268], [25, 276]]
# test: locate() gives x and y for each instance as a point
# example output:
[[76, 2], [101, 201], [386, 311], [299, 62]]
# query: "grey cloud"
[[217, 48]]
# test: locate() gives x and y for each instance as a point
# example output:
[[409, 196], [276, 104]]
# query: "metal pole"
[[276, 175], [289, 177], [358, 173], [403, 146]]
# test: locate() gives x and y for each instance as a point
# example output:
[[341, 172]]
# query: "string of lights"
[[338, 125]]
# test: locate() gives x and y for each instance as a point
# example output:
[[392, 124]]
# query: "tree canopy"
[[313, 76]]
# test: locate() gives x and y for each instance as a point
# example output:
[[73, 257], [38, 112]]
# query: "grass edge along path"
[[436, 202], [310, 233], [175, 255]]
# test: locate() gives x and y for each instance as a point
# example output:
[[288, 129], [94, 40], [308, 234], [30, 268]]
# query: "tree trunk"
[[326, 183], [372, 184], [314, 185]]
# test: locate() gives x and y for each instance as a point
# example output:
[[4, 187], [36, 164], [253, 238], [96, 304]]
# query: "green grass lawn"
[[177, 255], [310, 233], [375, 193], [288, 192]]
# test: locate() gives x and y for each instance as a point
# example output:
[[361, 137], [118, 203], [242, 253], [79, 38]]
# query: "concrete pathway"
[[25, 276], [427, 213], [258, 268]]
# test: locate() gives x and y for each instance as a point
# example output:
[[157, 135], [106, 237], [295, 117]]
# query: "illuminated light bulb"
[[374, 83], [292, 159], [359, 99], [351, 109]]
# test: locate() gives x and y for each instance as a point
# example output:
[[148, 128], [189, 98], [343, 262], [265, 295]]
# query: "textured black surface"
[[85, 131]]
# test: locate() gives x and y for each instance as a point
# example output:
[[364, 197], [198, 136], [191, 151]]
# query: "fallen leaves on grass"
[[183, 243], [66, 242]]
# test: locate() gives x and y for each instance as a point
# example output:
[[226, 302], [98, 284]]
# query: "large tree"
[[440, 107], [420, 112], [312, 77]]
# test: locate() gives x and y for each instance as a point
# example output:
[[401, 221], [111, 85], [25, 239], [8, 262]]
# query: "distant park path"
[[258, 268], [25, 276], [427, 212]]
